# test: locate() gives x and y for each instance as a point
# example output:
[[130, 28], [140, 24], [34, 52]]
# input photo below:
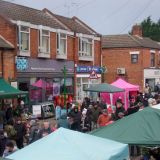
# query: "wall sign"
[[88, 69], [21, 63]]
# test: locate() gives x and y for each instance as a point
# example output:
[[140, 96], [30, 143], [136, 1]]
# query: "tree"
[[151, 29]]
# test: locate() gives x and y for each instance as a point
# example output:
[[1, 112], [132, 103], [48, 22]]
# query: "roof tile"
[[22, 13], [128, 41]]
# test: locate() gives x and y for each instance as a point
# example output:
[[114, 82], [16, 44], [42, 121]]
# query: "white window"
[[61, 43], [44, 41], [24, 38], [85, 47]]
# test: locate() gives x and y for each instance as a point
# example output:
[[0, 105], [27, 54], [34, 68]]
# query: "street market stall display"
[[130, 89], [140, 128], [105, 88], [65, 144]]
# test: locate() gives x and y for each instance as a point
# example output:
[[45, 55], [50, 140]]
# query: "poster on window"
[[36, 110], [56, 89]]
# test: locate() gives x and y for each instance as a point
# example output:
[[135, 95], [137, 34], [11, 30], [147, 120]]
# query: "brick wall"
[[53, 45], [8, 31], [34, 42], [121, 58], [97, 53], [70, 48], [9, 65]]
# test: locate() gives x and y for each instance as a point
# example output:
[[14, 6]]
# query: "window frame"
[[152, 59], [20, 31], [81, 51], [41, 36], [134, 58], [59, 38]]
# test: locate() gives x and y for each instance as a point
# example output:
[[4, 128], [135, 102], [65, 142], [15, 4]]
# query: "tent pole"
[[111, 98]]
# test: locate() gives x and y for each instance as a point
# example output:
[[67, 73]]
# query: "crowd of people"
[[16, 130]]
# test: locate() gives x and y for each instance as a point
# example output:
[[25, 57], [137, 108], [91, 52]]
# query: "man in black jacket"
[[21, 131]]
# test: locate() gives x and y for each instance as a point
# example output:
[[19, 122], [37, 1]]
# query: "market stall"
[[140, 128], [129, 89], [105, 88], [9, 92], [65, 144]]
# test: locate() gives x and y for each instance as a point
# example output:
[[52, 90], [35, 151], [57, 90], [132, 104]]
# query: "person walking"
[[21, 131]]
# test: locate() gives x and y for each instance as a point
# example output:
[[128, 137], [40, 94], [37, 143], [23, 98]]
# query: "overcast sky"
[[105, 16]]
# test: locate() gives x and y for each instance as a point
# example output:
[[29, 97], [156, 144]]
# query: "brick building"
[[6, 59], [45, 43], [132, 57]]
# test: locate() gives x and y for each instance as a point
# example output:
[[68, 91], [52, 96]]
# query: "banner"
[[56, 89]]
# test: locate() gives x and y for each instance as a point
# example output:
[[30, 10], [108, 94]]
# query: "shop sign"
[[157, 72], [88, 69], [21, 63]]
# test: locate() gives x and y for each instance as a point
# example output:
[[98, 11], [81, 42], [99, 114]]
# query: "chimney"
[[137, 30]]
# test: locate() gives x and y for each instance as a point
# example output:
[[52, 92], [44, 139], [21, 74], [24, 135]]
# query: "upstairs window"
[[134, 58], [85, 47], [44, 41], [61, 43], [24, 38], [152, 59]]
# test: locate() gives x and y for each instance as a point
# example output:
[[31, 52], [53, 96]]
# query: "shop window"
[[61, 43], [85, 47], [152, 59], [44, 41], [24, 38], [69, 86], [134, 58]]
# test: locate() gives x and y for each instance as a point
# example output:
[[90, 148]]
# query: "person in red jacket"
[[104, 118]]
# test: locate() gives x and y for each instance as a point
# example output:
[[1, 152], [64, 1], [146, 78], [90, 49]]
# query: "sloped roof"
[[128, 41], [74, 24], [21, 13], [5, 44]]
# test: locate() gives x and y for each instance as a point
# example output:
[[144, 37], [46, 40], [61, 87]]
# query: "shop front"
[[44, 78], [152, 77], [87, 76]]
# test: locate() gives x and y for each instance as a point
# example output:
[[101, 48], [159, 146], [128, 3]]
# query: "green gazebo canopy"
[[141, 128], [104, 87], [7, 91]]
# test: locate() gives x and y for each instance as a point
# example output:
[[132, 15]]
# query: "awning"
[[64, 144], [140, 128], [104, 88], [7, 91]]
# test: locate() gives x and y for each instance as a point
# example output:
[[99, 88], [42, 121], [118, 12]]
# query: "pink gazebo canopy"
[[120, 83], [125, 85], [40, 84]]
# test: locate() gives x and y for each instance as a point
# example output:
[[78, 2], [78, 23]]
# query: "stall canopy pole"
[[111, 98]]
